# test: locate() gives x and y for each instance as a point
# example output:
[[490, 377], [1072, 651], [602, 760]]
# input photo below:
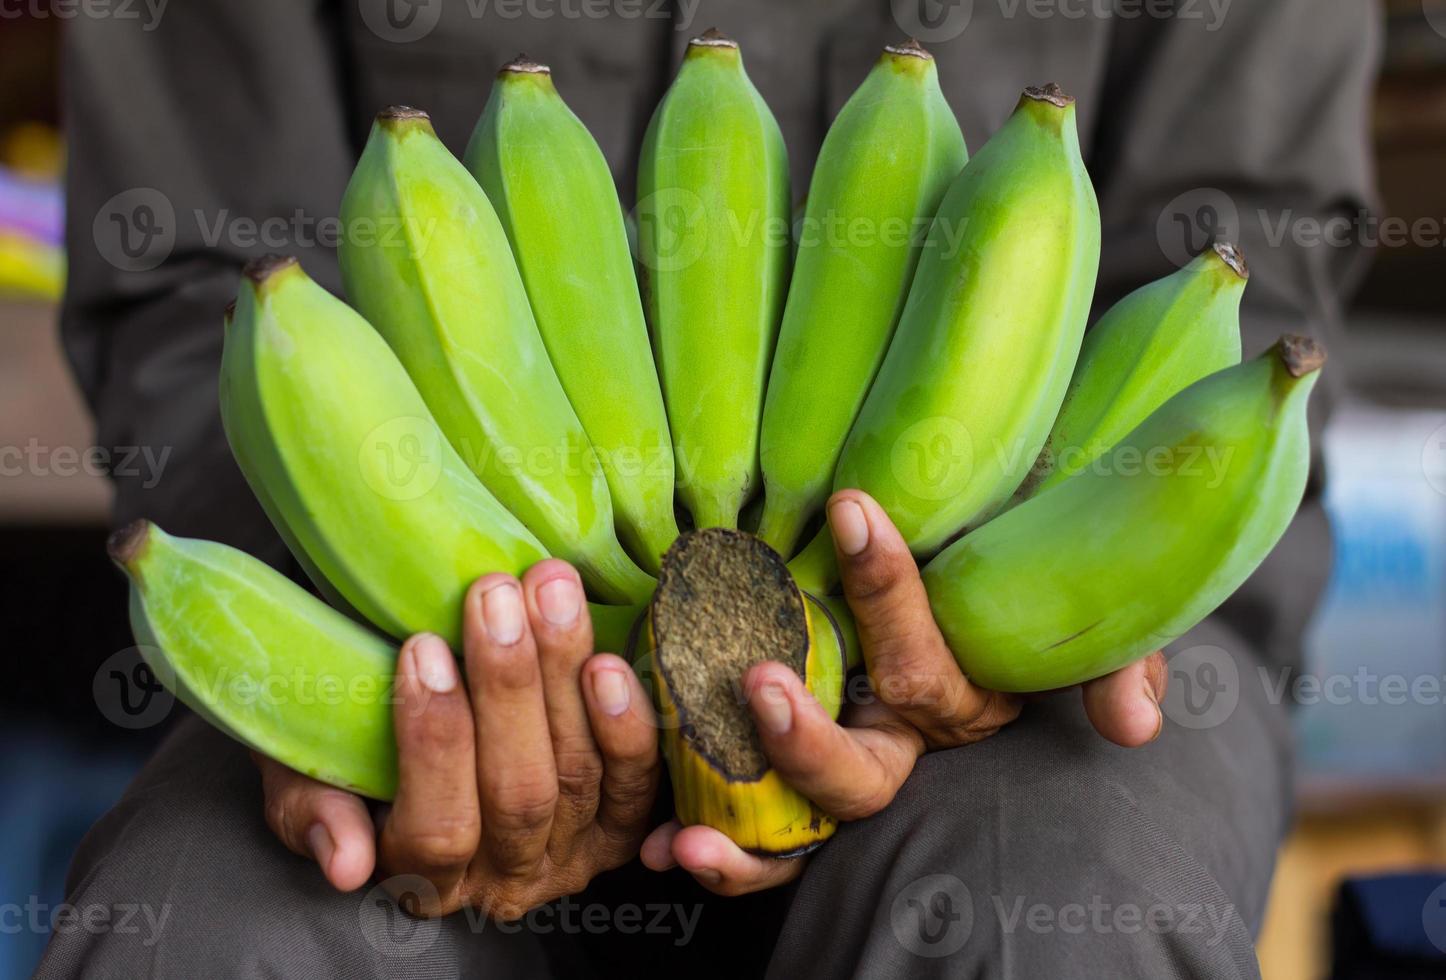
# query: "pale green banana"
[[979, 364], [427, 262], [713, 241], [1125, 557], [348, 463], [252, 653], [556, 200], [886, 162], [1155, 342]]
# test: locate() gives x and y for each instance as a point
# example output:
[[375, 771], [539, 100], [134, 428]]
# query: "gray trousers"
[[1043, 852]]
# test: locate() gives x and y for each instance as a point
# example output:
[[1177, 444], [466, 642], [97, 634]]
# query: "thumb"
[[909, 663]]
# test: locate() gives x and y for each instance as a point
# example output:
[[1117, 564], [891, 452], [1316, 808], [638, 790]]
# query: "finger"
[[908, 661], [657, 850], [724, 868], [627, 733], [516, 776], [849, 772], [1124, 706], [433, 826], [562, 631], [326, 824]]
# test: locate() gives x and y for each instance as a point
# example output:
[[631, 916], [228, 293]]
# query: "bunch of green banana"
[[713, 243], [255, 655], [887, 160], [427, 262], [555, 197], [979, 364], [1157, 341], [350, 466], [1125, 557]]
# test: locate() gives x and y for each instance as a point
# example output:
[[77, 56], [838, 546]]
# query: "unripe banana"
[[438, 281], [724, 603], [978, 366], [1127, 556], [352, 469], [1155, 342], [886, 162], [251, 652], [555, 197], [713, 241]]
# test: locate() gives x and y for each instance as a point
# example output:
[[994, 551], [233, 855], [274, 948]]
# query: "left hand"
[[853, 768]]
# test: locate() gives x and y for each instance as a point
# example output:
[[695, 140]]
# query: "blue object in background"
[[1393, 926], [52, 789], [1372, 697]]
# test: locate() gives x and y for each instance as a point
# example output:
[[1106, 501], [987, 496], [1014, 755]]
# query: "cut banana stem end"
[[725, 602]]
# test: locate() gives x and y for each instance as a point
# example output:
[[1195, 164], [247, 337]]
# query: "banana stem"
[[782, 522], [815, 568]]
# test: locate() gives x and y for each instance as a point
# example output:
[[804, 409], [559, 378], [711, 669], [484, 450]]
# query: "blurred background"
[[78, 715]]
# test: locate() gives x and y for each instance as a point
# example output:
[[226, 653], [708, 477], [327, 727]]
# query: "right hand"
[[514, 790]]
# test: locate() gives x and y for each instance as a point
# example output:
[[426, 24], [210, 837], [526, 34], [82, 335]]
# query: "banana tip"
[[713, 38], [1051, 93], [523, 65], [262, 269], [126, 544], [1234, 258], [398, 115], [910, 48], [1301, 355]]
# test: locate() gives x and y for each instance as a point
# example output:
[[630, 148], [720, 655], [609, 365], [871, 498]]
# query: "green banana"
[[978, 366], [1157, 341], [555, 197], [254, 654], [1125, 557], [886, 162], [348, 463], [713, 241], [427, 262]]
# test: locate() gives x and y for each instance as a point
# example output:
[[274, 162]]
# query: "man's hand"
[[922, 702], [515, 788]]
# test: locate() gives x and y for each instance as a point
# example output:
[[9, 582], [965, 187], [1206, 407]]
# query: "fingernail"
[[502, 613], [318, 841], [559, 601], [772, 708], [610, 688], [850, 527], [708, 876], [434, 665]]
